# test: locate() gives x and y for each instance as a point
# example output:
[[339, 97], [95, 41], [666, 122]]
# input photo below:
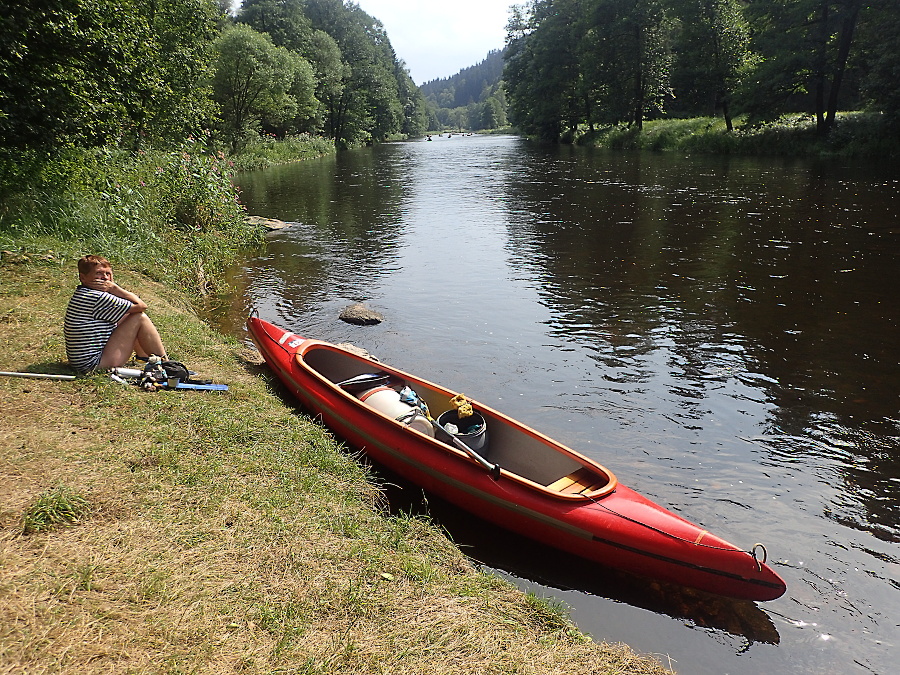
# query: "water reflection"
[[790, 293], [721, 332], [553, 569]]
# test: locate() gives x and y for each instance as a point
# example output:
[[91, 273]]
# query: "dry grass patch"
[[226, 533]]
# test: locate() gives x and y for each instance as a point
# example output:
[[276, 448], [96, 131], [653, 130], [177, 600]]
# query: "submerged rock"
[[268, 223], [361, 315]]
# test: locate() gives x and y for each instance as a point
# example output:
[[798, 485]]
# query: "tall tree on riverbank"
[[364, 90], [542, 70], [570, 62], [637, 50], [259, 85], [805, 46], [104, 71], [713, 53], [880, 36], [577, 63], [284, 21]]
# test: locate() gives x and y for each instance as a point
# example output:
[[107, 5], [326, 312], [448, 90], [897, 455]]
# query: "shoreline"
[[227, 530]]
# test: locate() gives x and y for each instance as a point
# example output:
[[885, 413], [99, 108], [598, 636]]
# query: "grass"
[[54, 507], [855, 134], [225, 532], [172, 215], [264, 152]]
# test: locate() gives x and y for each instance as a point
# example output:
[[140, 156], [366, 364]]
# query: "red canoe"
[[518, 479]]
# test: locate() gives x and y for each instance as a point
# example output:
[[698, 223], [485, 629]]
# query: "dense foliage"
[[572, 65], [101, 72], [173, 214], [121, 121], [474, 98], [364, 93], [135, 75]]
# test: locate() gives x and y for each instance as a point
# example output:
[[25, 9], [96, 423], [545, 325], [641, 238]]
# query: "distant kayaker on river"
[[105, 323]]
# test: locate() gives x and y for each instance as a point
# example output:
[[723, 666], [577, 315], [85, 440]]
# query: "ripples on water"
[[721, 332]]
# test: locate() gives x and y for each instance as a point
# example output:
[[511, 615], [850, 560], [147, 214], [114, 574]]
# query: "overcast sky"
[[437, 38]]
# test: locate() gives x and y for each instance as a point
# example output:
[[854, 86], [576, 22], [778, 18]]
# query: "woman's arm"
[[111, 287], [137, 305]]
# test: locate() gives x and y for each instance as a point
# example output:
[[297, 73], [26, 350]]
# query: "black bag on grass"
[[176, 369]]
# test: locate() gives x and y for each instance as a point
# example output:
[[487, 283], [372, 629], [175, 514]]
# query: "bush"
[[854, 135], [173, 214]]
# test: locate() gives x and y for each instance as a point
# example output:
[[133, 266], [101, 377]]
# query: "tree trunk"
[[819, 69], [848, 29], [638, 112]]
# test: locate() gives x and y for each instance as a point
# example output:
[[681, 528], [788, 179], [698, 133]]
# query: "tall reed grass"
[[265, 151], [172, 215]]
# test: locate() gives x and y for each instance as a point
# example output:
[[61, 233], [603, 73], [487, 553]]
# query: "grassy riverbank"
[[265, 152], [223, 532], [859, 135], [172, 215]]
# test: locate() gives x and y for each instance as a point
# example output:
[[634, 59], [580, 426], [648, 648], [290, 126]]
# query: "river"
[[721, 332]]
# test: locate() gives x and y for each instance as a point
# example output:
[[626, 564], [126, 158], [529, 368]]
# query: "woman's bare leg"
[[135, 332], [148, 341]]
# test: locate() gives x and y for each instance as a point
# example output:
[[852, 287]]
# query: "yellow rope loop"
[[463, 406]]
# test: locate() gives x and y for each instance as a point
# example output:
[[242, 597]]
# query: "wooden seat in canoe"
[[581, 481]]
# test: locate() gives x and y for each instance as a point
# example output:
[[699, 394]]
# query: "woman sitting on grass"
[[104, 323]]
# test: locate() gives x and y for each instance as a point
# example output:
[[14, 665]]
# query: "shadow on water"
[[524, 558]]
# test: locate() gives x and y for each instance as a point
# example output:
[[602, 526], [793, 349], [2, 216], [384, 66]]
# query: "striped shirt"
[[91, 317]]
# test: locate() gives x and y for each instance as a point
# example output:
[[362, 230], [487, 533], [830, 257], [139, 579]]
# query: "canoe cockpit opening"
[[385, 392], [516, 449], [335, 364]]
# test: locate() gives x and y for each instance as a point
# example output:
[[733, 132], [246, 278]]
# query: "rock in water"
[[361, 315], [268, 223]]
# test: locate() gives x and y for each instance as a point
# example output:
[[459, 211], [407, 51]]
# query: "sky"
[[437, 39]]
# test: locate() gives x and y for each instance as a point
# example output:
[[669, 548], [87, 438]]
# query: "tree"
[[171, 55], [880, 56], [325, 57], [284, 21], [713, 54], [414, 115], [254, 82], [103, 71], [570, 62], [492, 115], [640, 33], [805, 45], [369, 107], [540, 68]]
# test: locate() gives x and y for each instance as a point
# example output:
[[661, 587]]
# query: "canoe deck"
[[581, 481]]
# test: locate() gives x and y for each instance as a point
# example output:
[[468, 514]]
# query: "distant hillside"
[[472, 99]]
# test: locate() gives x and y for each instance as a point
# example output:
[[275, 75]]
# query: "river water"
[[720, 332]]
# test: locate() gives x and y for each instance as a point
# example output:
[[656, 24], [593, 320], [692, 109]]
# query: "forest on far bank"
[[473, 99], [576, 65], [134, 76]]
